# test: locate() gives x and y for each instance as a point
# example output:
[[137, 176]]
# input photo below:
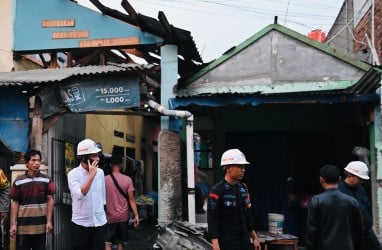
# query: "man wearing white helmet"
[[87, 188], [230, 223], [355, 173]]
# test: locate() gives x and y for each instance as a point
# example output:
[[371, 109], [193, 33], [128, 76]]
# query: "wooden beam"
[[53, 61], [50, 122], [135, 52], [102, 60], [130, 10], [43, 60], [69, 59], [37, 125]]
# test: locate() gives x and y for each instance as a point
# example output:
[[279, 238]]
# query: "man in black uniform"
[[230, 223], [334, 219], [355, 173]]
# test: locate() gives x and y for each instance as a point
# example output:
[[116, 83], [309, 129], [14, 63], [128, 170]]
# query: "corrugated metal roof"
[[20, 78], [263, 89]]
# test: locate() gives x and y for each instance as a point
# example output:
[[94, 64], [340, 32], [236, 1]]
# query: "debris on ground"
[[182, 235]]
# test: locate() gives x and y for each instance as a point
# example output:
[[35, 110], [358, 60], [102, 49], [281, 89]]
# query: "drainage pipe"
[[189, 151]]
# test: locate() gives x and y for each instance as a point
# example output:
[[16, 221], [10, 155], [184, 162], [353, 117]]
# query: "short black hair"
[[330, 173], [31, 152], [116, 159]]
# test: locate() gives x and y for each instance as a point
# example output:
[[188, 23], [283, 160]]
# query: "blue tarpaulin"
[[14, 120], [255, 100]]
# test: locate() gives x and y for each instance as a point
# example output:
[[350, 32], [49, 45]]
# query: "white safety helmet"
[[233, 157], [358, 168], [86, 147]]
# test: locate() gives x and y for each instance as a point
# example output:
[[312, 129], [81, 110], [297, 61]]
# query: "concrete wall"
[[340, 37], [170, 185], [6, 41], [276, 59], [376, 171], [101, 128]]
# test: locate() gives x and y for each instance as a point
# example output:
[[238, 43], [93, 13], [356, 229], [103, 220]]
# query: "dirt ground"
[[142, 237]]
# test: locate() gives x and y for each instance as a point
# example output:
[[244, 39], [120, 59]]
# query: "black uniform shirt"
[[228, 215]]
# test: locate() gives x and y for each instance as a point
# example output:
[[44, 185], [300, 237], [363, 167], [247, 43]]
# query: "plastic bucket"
[[275, 223]]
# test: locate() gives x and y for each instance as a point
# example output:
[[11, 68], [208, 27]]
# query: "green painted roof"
[[291, 33]]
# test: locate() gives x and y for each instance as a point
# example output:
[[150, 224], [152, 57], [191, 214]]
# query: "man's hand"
[[93, 168], [136, 221], [256, 244], [12, 231], [49, 227], [215, 244], [4, 216]]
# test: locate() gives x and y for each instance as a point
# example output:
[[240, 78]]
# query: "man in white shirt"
[[87, 188]]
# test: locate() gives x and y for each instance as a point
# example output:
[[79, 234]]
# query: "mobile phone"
[[86, 159]]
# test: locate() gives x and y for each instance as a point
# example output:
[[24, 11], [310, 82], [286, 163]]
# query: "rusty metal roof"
[[40, 76]]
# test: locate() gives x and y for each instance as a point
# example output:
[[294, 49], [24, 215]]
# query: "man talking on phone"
[[87, 188]]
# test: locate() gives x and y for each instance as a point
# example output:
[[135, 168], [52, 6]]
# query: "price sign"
[[114, 95], [92, 94]]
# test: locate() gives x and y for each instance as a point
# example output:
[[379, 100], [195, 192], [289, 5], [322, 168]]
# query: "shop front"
[[291, 105]]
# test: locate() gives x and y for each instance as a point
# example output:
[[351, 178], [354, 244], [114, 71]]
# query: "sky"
[[217, 25]]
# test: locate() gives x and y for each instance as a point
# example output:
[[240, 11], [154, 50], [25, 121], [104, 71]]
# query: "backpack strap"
[[119, 188]]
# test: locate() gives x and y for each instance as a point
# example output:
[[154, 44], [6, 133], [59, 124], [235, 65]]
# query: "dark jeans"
[[31, 242], [371, 241], [88, 238]]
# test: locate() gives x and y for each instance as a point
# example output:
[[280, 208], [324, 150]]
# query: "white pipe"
[[189, 151], [373, 51], [373, 27], [190, 169]]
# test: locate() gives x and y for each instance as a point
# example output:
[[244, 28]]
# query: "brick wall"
[[363, 27]]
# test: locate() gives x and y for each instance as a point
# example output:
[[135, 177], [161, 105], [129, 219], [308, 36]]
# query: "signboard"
[[92, 94], [64, 24]]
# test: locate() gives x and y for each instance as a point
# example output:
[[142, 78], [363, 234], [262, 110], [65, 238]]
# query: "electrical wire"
[[286, 12], [235, 8]]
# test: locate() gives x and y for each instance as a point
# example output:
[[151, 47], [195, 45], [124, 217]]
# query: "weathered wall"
[[151, 128], [101, 128], [376, 174], [6, 41], [7, 62], [276, 59], [338, 37], [364, 27], [170, 191]]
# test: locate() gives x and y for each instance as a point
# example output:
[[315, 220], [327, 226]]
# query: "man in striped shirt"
[[32, 205]]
